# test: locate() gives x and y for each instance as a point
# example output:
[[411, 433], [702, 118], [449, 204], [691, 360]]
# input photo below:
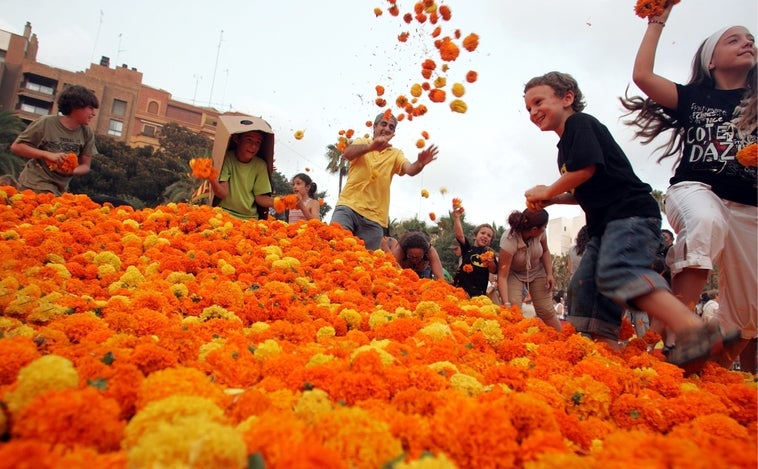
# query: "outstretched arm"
[[458, 226], [559, 192], [659, 89], [424, 158]]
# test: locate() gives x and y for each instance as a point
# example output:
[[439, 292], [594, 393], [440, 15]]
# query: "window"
[[34, 109], [39, 88], [152, 107], [149, 130], [115, 128], [119, 107]]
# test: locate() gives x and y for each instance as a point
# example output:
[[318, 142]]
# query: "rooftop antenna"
[[119, 50], [197, 80], [226, 81], [218, 52], [97, 37]]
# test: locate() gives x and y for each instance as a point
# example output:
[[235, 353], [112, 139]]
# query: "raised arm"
[[659, 89], [458, 226], [424, 158]]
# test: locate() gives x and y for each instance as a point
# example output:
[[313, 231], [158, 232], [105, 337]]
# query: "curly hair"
[[414, 239], [561, 83], [76, 97]]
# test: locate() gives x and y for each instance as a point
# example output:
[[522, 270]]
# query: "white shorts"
[[712, 231]]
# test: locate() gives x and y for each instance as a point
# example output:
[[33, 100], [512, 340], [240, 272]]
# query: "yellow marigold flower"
[[437, 330], [440, 82], [325, 332], [385, 357], [424, 193], [378, 11], [466, 384], [47, 373], [443, 367], [416, 90], [204, 442], [378, 318], [218, 312], [458, 90], [299, 134], [269, 348], [459, 106]]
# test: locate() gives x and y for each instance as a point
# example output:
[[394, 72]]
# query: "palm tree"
[[337, 164]]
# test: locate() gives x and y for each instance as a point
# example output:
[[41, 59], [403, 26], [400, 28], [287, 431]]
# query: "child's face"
[[84, 115], [299, 186], [546, 110], [248, 145], [734, 49], [483, 237]]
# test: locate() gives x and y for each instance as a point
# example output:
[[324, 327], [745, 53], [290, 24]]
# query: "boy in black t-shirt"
[[623, 222]]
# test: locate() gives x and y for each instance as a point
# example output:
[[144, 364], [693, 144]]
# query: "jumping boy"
[[48, 140], [623, 222]]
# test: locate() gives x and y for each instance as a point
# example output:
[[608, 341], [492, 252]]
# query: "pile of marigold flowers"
[[181, 337]]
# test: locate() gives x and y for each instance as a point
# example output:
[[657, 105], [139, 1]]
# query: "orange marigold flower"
[[388, 114], [747, 156], [444, 12], [468, 268], [408, 18], [426, 86], [471, 42], [426, 73], [202, 168], [381, 102], [67, 165], [471, 76], [436, 31], [425, 134], [400, 117], [420, 143], [429, 64], [421, 18], [299, 134], [403, 37], [349, 133], [448, 49], [369, 124], [457, 203], [379, 90], [648, 8], [393, 10], [378, 11], [487, 256], [458, 106], [437, 95], [432, 216], [401, 101]]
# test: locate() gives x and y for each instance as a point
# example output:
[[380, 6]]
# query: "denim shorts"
[[369, 231], [615, 268]]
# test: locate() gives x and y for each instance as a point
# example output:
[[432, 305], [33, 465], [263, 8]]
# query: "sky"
[[314, 66]]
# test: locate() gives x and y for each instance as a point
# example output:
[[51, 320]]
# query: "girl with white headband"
[[711, 202]]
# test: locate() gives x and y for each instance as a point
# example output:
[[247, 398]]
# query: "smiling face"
[[546, 110], [248, 145], [735, 50], [83, 115], [484, 236], [384, 126]]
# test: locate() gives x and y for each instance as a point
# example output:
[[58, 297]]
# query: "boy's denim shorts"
[[615, 268]]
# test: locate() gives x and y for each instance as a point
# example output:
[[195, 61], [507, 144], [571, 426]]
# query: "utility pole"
[[215, 68]]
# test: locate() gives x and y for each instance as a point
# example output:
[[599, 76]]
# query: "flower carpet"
[[178, 337]]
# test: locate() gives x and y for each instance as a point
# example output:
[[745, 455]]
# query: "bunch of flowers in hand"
[[66, 166]]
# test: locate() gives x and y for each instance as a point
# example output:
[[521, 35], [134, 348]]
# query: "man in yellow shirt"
[[363, 205]]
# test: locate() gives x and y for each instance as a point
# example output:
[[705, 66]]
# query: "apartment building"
[[561, 233], [130, 111]]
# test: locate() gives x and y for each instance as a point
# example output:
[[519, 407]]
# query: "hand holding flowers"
[[202, 168], [65, 165]]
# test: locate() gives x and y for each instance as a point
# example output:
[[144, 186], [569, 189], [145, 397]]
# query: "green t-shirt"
[[246, 180]]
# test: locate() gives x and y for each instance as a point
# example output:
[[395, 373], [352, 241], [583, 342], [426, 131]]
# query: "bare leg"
[[667, 308], [749, 358], [688, 284]]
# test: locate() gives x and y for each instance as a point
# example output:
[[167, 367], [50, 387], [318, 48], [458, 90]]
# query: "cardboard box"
[[231, 125]]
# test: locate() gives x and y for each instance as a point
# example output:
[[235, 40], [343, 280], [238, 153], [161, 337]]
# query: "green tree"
[[10, 127], [336, 164], [181, 142]]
